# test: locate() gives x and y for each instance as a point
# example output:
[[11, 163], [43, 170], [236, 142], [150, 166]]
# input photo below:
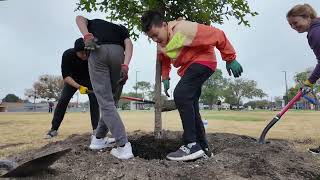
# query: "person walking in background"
[[50, 106]]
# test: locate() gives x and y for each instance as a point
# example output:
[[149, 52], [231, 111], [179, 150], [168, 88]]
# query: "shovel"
[[166, 105], [30, 167], [278, 116]]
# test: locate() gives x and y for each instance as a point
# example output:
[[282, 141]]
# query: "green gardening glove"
[[235, 67], [166, 86]]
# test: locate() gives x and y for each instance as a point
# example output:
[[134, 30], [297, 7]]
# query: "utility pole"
[[137, 83], [34, 100], [77, 99], [137, 88], [286, 83]]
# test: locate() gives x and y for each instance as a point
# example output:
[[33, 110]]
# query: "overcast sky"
[[35, 33]]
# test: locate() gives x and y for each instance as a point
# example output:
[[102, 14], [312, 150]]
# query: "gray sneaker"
[[51, 134], [187, 152]]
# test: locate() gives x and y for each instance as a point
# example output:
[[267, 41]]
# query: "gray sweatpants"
[[104, 69]]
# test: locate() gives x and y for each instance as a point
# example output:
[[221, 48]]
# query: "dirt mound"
[[235, 157]]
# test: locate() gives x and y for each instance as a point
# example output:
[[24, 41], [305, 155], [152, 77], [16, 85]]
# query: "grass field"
[[23, 131]]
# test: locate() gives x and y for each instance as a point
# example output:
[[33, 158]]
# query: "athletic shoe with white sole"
[[315, 150], [124, 152], [97, 144], [187, 152], [51, 134]]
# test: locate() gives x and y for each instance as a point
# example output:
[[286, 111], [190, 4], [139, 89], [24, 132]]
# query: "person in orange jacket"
[[189, 46]]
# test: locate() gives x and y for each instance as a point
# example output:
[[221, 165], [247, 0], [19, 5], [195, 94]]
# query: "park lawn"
[[23, 131]]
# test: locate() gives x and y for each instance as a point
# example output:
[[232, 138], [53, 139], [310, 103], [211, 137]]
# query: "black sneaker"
[[315, 150], [207, 153], [51, 133], [187, 152]]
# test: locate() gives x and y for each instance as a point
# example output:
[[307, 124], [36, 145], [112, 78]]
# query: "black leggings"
[[186, 97]]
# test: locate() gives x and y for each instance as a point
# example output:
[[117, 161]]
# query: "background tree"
[[260, 104], [47, 87], [278, 102], [293, 91], [213, 88], [144, 87], [204, 11], [11, 98], [242, 88], [152, 94]]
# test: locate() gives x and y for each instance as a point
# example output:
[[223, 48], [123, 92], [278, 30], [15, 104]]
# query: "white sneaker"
[[97, 144], [123, 152]]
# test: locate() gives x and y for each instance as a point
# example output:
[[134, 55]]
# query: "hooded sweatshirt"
[[314, 42], [189, 43]]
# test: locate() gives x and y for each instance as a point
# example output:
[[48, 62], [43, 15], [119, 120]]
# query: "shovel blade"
[[37, 164]]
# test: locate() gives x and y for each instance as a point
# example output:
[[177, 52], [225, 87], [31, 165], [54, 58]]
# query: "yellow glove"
[[308, 83], [83, 90]]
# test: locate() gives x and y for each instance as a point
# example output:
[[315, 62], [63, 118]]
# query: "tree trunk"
[[157, 107], [211, 106]]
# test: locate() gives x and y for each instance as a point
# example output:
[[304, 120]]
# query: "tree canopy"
[[201, 11]]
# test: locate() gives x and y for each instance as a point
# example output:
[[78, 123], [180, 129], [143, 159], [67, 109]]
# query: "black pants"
[[186, 96], [67, 93]]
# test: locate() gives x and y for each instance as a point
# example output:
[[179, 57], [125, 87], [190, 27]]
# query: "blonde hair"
[[303, 10]]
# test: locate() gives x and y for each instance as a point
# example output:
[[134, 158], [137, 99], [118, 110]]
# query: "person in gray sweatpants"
[[104, 68], [110, 53]]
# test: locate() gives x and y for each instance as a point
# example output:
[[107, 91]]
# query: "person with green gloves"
[[75, 73], [189, 46]]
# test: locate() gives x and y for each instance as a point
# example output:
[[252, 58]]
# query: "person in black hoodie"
[[74, 68]]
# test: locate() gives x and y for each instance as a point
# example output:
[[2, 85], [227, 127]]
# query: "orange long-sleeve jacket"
[[189, 43]]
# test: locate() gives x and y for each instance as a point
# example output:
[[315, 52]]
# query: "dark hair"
[[79, 45], [150, 18], [303, 10]]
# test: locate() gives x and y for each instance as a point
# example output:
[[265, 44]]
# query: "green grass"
[[229, 117]]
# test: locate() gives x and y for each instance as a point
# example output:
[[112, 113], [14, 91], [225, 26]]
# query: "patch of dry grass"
[[23, 131]]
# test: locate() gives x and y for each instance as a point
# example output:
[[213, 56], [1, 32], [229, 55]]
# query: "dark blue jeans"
[[186, 96]]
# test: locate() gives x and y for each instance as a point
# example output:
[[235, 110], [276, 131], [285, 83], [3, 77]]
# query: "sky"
[[35, 33]]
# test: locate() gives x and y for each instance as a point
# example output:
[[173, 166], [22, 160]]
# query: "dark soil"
[[235, 157]]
